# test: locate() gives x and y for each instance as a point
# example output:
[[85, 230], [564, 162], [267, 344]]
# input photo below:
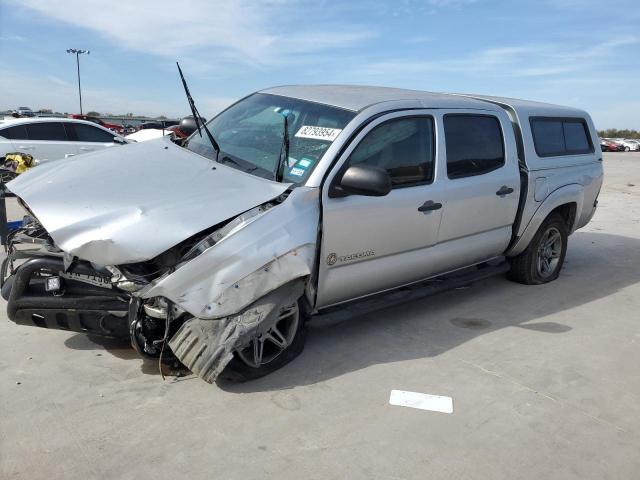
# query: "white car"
[[147, 134], [631, 145], [54, 138]]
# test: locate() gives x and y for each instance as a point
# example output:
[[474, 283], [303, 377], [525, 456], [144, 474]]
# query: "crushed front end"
[[45, 287], [197, 302]]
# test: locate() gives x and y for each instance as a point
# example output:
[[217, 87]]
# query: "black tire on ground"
[[627, 149], [239, 370], [542, 260]]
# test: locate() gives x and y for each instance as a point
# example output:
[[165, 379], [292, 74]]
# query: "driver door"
[[371, 244]]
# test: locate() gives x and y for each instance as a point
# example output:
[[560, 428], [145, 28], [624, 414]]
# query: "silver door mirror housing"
[[119, 140], [363, 180]]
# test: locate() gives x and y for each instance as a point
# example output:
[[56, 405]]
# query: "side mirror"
[[363, 180], [119, 140]]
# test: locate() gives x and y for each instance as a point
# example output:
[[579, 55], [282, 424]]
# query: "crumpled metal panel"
[[206, 346], [272, 250], [131, 203]]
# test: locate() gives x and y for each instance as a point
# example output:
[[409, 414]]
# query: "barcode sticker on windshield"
[[318, 133]]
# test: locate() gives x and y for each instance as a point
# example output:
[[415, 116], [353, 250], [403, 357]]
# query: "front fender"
[[271, 251], [573, 193]]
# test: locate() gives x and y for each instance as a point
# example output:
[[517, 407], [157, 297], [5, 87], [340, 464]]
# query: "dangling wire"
[[164, 340]]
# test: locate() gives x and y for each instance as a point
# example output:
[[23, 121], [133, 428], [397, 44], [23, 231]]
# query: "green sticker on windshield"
[[304, 163]]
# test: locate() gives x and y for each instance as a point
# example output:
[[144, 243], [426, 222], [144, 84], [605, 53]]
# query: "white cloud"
[[450, 3], [12, 38], [58, 81], [239, 31], [511, 61]]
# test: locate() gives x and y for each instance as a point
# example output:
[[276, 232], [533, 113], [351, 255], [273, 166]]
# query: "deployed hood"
[[131, 203]]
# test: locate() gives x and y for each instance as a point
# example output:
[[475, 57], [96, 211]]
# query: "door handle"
[[504, 190], [25, 147], [429, 205], [86, 149]]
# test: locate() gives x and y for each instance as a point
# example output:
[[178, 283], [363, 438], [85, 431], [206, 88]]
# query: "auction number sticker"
[[318, 133]]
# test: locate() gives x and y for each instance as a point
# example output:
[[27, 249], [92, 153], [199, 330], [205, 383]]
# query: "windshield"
[[250, 135]]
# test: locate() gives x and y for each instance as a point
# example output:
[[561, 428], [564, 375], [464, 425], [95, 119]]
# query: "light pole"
[[78, 53]]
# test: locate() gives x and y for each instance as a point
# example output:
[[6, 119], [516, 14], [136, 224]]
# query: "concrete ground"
[[545, 382]]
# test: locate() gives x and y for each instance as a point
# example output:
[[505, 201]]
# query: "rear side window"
[[46, 131], [17, 132], [560, 136], [575, 137], [403, 147], [87, 133], [474, 144]]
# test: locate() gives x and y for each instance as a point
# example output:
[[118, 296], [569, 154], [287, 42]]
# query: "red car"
[[609, 146], [119, 129]]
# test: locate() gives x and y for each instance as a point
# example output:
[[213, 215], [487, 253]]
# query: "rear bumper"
[[80, 308]]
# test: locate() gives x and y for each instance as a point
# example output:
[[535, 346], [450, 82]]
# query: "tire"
[[243, 367], [543, 258], [627, 149]]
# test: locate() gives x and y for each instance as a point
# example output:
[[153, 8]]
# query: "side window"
[[87, 133], [548, 137], [560, 136], [46, 131], [17, 132], [404, 147], [474, 144], [575, 137]]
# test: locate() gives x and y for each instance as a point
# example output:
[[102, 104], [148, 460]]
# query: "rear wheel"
[[627, 149], [542, 260], [271, 350]]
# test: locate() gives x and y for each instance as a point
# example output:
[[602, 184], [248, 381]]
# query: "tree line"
[[615, 133]]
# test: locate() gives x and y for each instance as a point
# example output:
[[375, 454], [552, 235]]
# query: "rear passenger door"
[[482, 190], [89, 137], [44, 141], [11, 136]]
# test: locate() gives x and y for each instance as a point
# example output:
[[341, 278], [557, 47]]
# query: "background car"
[[608, 146], [54, 138], [25, 112], [149, 125], [119, 129], [612, 145], [631, 145]]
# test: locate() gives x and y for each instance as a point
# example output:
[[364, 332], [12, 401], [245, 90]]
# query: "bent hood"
[[131, 203]]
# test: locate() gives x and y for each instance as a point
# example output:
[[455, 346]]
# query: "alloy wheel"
[[549, 251], [267, 346]]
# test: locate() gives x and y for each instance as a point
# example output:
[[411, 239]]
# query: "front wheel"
[[271, 350], [542, 260]]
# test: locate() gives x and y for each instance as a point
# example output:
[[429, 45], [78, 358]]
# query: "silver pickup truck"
[[215, 252]]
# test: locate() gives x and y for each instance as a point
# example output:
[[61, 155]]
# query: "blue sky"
[[583, 53]]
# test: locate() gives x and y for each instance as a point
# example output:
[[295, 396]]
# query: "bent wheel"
[[268, 346], [270, 350]]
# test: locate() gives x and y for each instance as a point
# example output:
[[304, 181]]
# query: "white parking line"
[[421, 401]]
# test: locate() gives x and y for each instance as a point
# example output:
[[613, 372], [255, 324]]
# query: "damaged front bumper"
[[81, 308]]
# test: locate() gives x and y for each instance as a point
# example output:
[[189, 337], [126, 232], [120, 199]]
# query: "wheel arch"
[[566, 201]]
